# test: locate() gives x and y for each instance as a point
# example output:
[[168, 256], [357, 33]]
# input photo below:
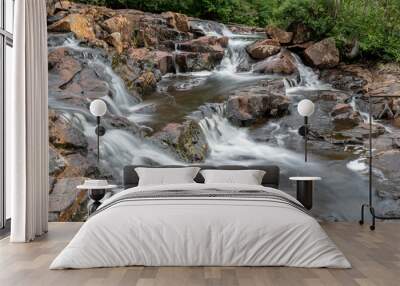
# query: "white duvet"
[[200, 231]]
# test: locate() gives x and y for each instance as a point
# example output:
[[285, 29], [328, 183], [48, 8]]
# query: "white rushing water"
[[308, 79], [232, 145], [227, 143], [365, 115], [118, 147], [235, 56]]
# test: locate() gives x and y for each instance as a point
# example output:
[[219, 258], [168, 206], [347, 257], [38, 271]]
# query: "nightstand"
[[304, 190], [97, 190]]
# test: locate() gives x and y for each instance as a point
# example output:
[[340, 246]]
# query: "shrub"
[[373, 24]]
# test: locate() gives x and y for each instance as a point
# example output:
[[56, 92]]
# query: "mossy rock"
[[186, 140]]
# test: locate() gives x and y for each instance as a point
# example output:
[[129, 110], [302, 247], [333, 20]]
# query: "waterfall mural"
[[191, 91]]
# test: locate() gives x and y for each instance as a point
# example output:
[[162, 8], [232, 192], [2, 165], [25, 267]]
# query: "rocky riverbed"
[[181, 90]]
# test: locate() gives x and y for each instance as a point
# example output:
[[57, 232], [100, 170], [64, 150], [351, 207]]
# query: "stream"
[[200, 95]]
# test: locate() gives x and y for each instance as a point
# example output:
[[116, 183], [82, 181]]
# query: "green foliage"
[[373, 24]]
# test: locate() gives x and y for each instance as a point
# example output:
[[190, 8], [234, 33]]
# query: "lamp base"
[[100, 130], [372, 211]]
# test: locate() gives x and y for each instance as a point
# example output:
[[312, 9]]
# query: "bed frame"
[[271, 177]]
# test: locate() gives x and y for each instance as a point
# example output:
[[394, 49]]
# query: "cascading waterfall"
[[118, 147], [232, 145], [176, 51], [306, 80], [121, 96], [365, 115], [227, 144], [211, 28], [235, 57]]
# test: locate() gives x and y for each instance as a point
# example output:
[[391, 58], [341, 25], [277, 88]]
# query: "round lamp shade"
[[98, 107], [305, 107]]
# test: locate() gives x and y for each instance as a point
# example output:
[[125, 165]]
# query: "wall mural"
[[181, 90]]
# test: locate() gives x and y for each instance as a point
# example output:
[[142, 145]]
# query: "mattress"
[[201, 225]]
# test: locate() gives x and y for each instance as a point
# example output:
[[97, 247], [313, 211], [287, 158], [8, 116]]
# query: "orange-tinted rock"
[[205, 44], [165, 62], [119, 24], [63, 67], [263, 49], [258, 103], [116, 40], [323, 54], [282, 63], [80, 25], [177, 21], [62, 134]]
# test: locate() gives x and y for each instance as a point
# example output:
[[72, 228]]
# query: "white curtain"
[[27, 124]]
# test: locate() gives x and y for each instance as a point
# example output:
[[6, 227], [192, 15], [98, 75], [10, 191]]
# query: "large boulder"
[[189, 62], [282, 63], [164, 62], [62, 134], [355, 135], [323, 54], [186, 139], [250, 105], [66, 202], [115, 40], [146, 82], [80, 25], [91, 85], [64, 193], [206, 44], [118, 23], [279, 35], [385, 80], [376, 81], [344, 117], [354, 77], [62, 67], [123, 25], [263, 49], [177, 21], [204, 53]]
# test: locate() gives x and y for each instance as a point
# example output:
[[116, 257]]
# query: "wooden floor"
[[375, 257]]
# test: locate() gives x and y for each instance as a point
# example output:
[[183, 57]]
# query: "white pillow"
[[166, 176], [247, 177]]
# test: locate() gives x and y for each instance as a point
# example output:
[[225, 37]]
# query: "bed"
[[198, 224]]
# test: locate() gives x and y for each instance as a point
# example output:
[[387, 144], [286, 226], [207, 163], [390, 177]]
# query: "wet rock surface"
[[247, 106], [282, 63], [323, 54], [186, 139], [344, 117], [177, 21], [263, 49]]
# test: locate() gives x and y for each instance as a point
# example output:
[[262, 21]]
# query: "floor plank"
[[375, 257]]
